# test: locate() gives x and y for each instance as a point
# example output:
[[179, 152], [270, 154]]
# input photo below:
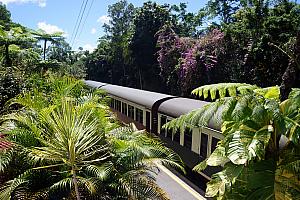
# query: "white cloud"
[[50, 29], [104, 19], [88, 47], [93, 31], [41, 3]]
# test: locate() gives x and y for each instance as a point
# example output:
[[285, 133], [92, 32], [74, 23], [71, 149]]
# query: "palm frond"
[[141, 188], [62, 185], [145, 149], [102, 172], [34, 100]]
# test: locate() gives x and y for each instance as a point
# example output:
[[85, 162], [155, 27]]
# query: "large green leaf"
[[223, 89]]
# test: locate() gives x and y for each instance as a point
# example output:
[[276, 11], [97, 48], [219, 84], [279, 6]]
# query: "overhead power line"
[[77, 21], [77, 28], [84, 21]]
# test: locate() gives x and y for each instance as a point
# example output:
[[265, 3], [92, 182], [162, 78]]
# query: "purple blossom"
[[187, 56]]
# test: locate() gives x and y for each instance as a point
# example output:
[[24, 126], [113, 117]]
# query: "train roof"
[[94, 84], [140, 97], [180, 106], [173, 106]]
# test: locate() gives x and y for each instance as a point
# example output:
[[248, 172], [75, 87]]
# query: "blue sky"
[[61, 15]]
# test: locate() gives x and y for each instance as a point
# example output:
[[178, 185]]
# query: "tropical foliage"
[[260, 150], [165, 48], [21, 56], [65, 134]]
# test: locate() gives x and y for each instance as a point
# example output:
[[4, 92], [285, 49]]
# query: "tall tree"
[[45, 37], [223, 9], [60, 51], [185, 23], [290, 76], [5, 15], [98, 63], [148, 21], [118, 33]]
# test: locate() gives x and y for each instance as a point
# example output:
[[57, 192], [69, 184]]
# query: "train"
[[151, 110]]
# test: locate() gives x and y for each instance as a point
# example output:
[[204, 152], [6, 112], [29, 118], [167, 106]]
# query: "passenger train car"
[[151, 110]]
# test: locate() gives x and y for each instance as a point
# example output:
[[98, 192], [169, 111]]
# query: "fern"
[[222, 89]]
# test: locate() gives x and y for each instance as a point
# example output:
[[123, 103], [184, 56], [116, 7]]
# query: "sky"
[[61, 15]]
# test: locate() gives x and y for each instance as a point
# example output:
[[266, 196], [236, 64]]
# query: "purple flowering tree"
[[171, 48], [187, 62]]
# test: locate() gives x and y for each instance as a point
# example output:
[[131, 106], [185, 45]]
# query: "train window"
[[124, 108], [187, 139], [131, 111], [176, 136], [203, 145], [139, 115], [163, 121], [118, 105], [148, 121], [214, 143]]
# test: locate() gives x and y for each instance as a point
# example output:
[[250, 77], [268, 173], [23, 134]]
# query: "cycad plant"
[[260, 151], [71, 138]]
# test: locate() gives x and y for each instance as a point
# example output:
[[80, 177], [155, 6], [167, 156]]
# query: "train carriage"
[[151, 110]]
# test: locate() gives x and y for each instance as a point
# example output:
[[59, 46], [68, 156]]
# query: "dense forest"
[[167, 49], [24, 52]]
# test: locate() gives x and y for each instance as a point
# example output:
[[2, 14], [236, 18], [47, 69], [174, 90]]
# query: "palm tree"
[[43, 36], [260, 152]]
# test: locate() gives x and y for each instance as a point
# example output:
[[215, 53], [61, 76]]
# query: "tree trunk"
[[290, 75], [288, 79], [74, 179], [7, 58], [45, 43]]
